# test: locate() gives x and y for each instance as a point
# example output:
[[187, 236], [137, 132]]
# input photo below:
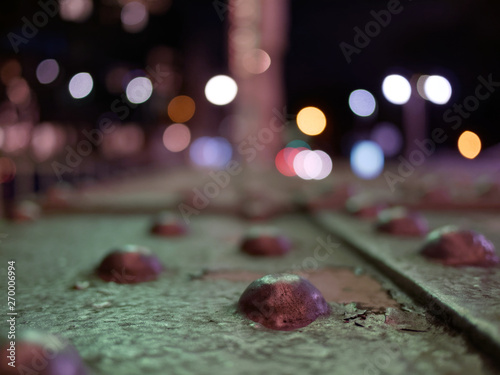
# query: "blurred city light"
[[214, 152], [362, 103], [181, 108], [311, 121], [81, 85], [221, 90], [134, 17], [469, 144], [47, 71], [176, 137], [256, 61], [367, 159], [139, 90], [437, 89], [396, 89], [75, 10]]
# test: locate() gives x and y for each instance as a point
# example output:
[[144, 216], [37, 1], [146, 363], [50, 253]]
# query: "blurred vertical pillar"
[[256, 25], [414, 118]]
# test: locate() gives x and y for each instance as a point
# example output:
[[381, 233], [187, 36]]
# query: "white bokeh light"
[[134, 17], [367, 159], [311, 165], [326, 165], [81, 85], [221, 90], [47, 71], [299, 166], [420, 86], [139, 90], [437, 89], [362, 103], [396, 89]]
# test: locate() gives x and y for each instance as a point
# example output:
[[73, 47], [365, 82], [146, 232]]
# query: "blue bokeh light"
[[212, 152], [367, 159]]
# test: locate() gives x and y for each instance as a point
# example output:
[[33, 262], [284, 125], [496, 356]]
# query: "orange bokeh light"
[[181, 108], [311, 121], [10, 69], [469, 144]]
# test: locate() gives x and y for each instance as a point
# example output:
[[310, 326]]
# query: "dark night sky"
[[458, 39]]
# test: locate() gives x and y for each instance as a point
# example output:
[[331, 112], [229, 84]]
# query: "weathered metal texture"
[[466, 297], [186, 321]]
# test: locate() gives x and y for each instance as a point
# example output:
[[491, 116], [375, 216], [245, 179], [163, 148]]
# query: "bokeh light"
[[437, 89], [326, 165], [47, 71], [10, 69], [304, 163], [213, 152], [282, 166], [396, 89], [290, 154], [420, 86], [367, 159], [16, 137], [469, 144], [139, 90], [256, 61], [176, 137], [313, 164], [134, 17], [221, 90], [18, 91], [299, 165], [123, 141], [311, 121], [81, 85], [130, 75], [298, 143], [75, 10], [388, 137], [7, 169], [362, 103], [45, 140], [181, 108]]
